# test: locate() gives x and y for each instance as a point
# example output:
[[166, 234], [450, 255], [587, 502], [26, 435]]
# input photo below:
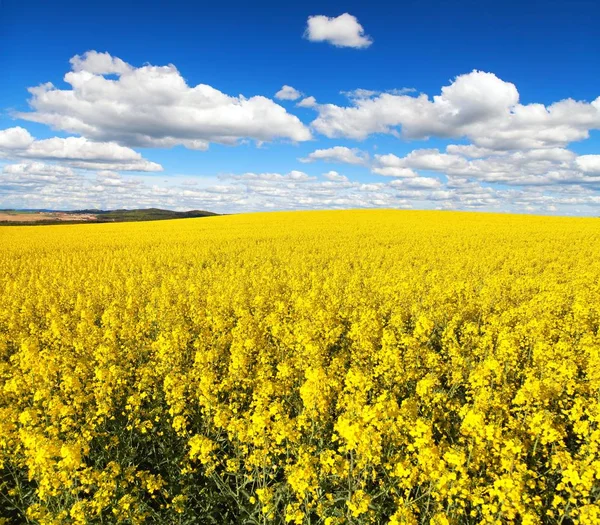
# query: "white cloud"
[[469, 150], [152, 106], [334, 176], [108, 174], [308, 102], [99, 64], [41, 185], [341, 31], [28, 171], [77, 152], [432, 159], [292, 176], [15, 138], [478, 105], [391, 166], [288, 93], [421, 183], [401, 91], [368, 93], [360, 93], [338, 154], [550, 166], [589, 164]]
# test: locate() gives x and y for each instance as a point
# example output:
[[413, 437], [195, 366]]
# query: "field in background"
[[18, 217], [48, 216], [319, 367]]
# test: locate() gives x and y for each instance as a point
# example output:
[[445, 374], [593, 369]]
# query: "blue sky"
[[495, 59]]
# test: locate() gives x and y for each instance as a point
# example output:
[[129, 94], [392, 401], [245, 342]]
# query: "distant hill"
[[38, 217]]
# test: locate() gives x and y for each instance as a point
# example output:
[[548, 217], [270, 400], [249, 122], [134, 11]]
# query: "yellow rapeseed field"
[[309, 367]]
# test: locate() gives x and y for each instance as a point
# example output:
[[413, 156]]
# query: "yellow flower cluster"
[[321, 367]]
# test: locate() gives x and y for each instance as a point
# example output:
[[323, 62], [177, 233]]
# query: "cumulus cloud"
[[334, 176], [292, 176], [340, 31], [99, 64], [469, 150], [76, 152], [478, 105], [31, 172], [392, 166], [338, 154], [431, 159], [41, 185], [16, 138], [420, 183], [549, 166], [153, 106], [589, 164], [308, 102], [288, 93]]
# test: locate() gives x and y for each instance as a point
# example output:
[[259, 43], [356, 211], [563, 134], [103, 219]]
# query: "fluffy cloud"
[[341, 31], [550, 166], [589, 164], [334, 176], [41, 185], [288, 93], [420, 183], [15, 139], [338, 154], [31, 173], [391, 166], [292, 176], [429, 159], [469, 150], [77, 152], [478, 105], [100, 64], [308, 102], [152, 106]]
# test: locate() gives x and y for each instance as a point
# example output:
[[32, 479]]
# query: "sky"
[[238, 106]]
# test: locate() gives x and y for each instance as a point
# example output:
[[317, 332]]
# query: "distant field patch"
[[20, 216]]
